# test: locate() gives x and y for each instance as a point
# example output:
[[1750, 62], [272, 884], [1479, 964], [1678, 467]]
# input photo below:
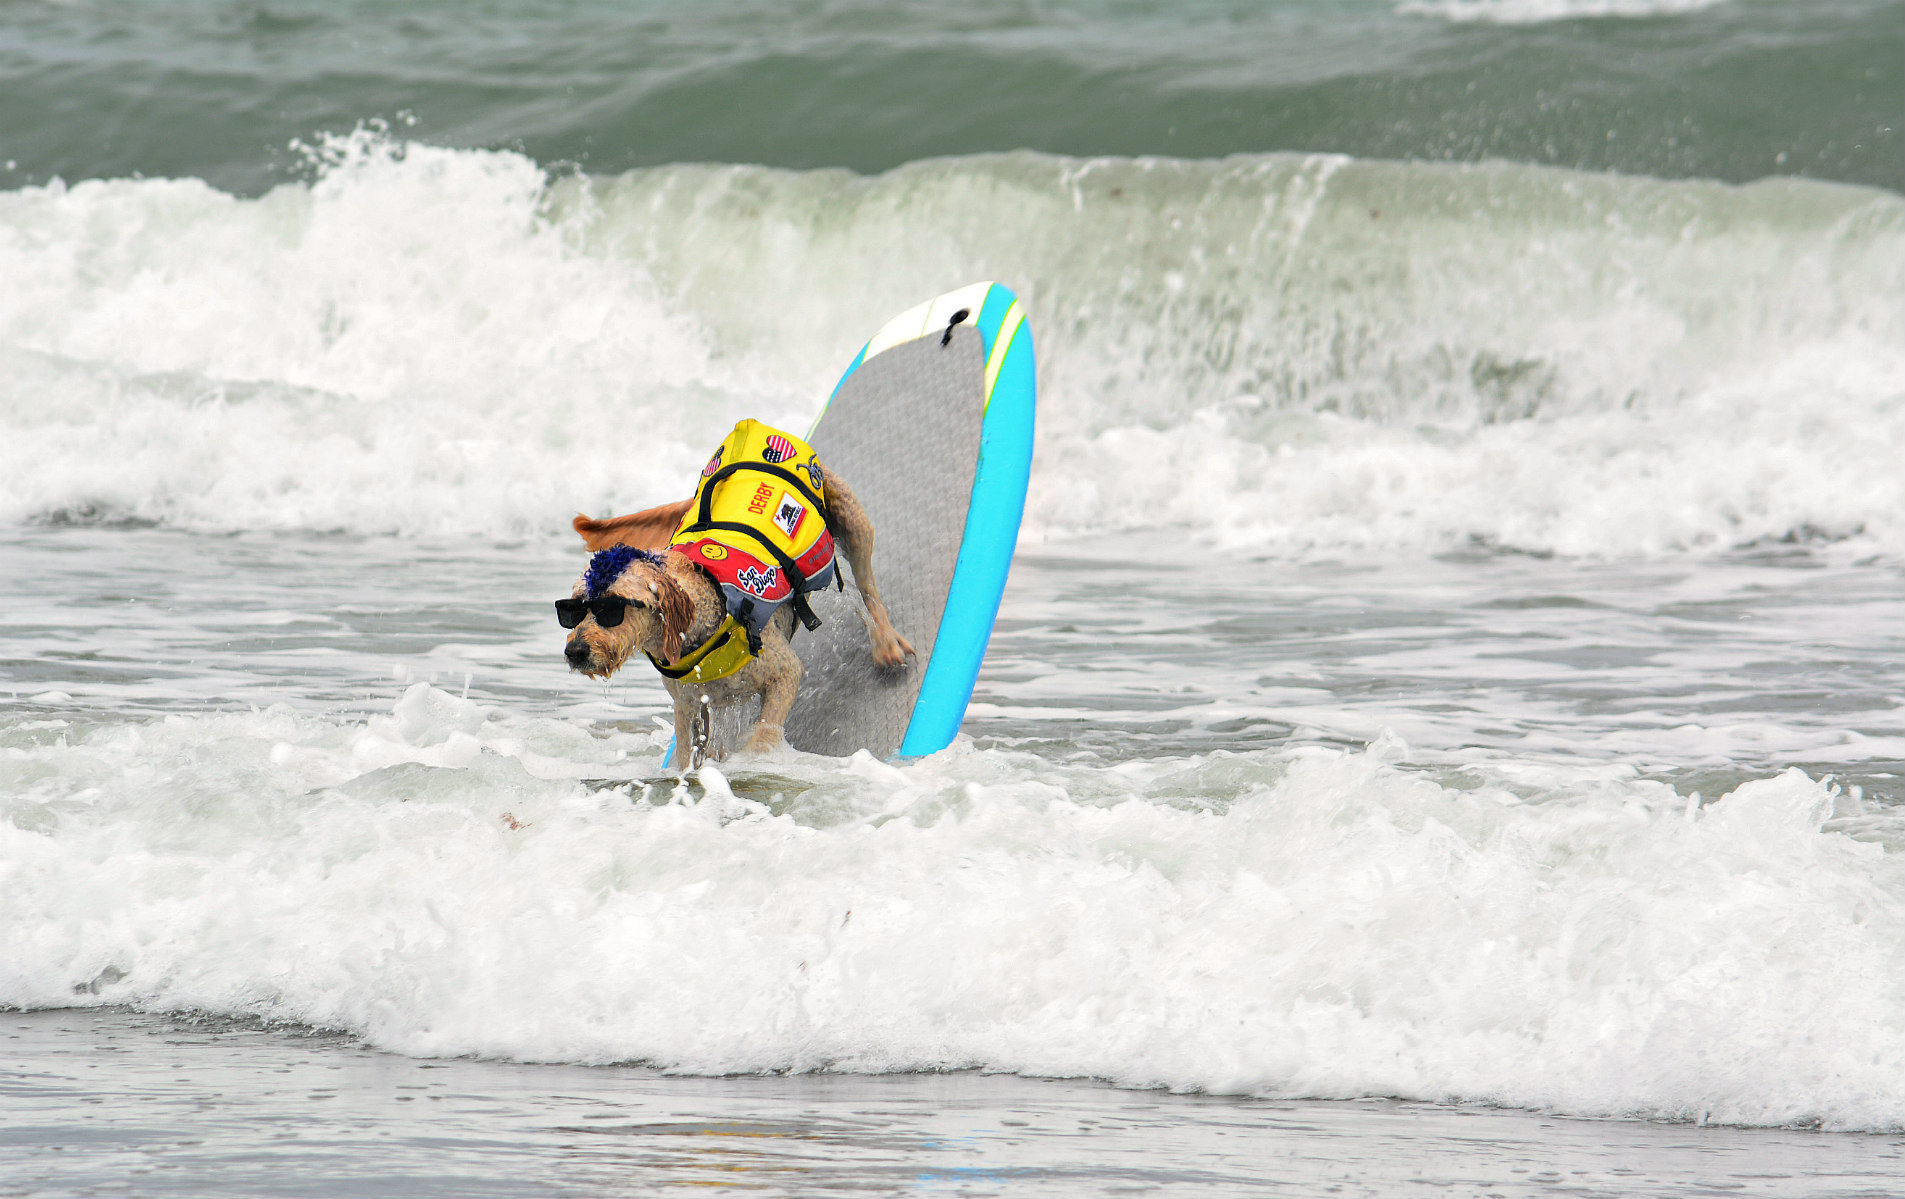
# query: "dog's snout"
[[577, 651]]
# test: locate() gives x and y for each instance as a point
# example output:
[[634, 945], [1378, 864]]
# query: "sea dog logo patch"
[[759, 582], [788, 515], [714, 463], [778, 449]]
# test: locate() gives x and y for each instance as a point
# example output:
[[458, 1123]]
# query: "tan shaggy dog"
[[674, 606]]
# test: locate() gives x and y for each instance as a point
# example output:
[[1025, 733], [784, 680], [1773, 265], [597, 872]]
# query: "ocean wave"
[[1535, 12], [1294, 354], [1304, 923]]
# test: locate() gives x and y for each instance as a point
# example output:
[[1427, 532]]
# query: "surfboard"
[[931, 425]]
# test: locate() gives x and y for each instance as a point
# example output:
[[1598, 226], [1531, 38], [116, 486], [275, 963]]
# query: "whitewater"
[[1295, 354], [1452, 656], [1319, 924]]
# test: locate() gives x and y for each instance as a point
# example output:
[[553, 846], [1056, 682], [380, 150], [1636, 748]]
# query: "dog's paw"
[[891, 649], [765, 737]]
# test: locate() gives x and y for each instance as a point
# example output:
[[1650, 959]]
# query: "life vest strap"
[[804, 612], [779, 555], [796, 580]]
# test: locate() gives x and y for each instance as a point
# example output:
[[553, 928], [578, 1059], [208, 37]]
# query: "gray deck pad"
[[903, 432]]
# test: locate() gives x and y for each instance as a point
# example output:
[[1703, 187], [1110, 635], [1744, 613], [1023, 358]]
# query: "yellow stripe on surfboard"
[[1002, 344]]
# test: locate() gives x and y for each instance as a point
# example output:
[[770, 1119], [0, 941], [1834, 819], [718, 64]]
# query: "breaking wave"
[[1290, 354]]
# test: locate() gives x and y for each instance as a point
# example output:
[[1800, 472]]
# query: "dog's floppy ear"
[[677, 615], [648, 529]]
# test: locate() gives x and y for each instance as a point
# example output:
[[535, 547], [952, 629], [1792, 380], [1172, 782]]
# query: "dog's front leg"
[[779, 679], [854, 530]]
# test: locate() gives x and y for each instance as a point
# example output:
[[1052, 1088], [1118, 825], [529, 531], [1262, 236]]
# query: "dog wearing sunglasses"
[[651, 589]]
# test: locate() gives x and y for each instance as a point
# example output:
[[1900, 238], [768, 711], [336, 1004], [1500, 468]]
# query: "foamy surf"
[[1318, 923], [1299, 355]]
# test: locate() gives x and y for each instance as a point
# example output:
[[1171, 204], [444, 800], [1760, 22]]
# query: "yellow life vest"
[[758, 526]]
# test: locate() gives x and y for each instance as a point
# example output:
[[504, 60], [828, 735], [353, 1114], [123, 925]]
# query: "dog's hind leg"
[[854, 531]]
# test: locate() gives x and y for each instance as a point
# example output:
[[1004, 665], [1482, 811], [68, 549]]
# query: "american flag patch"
[[779, 449]]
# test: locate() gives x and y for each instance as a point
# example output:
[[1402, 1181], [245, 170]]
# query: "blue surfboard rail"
[[992, 530]]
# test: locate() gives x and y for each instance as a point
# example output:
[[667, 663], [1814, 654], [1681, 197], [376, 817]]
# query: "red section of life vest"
[[763, 580]]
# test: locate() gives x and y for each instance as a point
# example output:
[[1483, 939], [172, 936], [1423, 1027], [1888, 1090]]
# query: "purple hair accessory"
[[607, 565]]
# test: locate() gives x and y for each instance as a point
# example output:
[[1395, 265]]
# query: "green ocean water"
[[216, 89]]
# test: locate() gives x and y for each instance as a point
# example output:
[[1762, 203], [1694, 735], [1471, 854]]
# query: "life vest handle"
[[704, 511]]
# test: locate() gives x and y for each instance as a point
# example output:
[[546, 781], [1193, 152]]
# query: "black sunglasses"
[[608, 610]]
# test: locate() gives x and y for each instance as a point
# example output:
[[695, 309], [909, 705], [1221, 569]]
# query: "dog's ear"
[[677, 616], [648, 529]]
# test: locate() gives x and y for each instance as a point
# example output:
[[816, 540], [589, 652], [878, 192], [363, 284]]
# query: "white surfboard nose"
[[931, 317]]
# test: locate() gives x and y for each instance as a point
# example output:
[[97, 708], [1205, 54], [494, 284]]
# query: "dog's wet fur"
[[675, 606]]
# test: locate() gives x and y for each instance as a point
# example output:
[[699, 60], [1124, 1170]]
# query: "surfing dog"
[[649, 590]]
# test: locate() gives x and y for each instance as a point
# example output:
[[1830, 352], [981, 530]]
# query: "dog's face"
[[655, 616]]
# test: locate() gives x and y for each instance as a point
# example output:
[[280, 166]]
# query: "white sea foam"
[[402, 346], [1288, 353], [1311, 923], [1537, 12]]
